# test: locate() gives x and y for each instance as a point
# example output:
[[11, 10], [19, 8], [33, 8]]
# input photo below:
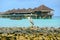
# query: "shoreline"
[[30, 33]]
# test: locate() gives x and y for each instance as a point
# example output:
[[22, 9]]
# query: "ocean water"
[[54, 22]]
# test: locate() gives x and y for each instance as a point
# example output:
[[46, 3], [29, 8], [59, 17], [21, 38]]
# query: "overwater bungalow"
[[38, 12]]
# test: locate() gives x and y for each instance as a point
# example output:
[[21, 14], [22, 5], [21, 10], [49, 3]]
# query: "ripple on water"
[[6, 22]]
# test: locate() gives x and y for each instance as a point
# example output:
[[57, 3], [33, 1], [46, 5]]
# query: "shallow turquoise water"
[[54, 22]]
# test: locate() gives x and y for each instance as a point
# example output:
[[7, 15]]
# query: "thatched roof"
[[29, 10], [43, 7], [20, 11]]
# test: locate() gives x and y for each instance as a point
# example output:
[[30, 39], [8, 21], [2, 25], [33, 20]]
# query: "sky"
[[11, 4]]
